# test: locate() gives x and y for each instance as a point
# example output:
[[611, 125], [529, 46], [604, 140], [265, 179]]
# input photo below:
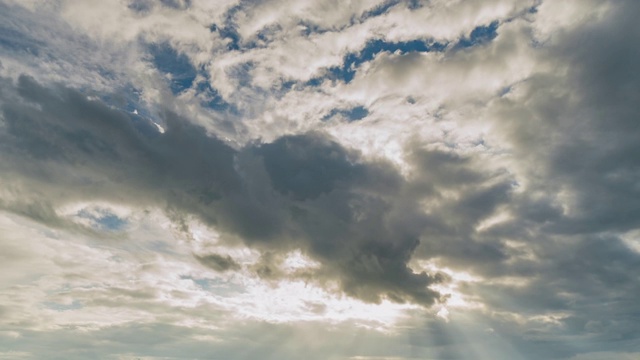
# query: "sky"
[[322, 179]]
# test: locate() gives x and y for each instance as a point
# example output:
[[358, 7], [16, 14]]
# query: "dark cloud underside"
[[303, 192]]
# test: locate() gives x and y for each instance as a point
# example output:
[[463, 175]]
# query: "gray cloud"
[[575, 144], [302, 191], [218, 262]]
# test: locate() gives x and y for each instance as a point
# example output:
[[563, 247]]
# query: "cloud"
[[301, 192], [454, 157], [218, 262]]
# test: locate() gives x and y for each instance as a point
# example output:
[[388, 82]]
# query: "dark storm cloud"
[[302, 191], [307, 166]]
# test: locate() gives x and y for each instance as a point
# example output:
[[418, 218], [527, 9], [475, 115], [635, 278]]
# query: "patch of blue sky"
[[111, 222], [414, 4], [216, 285], [229, 33], [15, 41], [210, 98], [534, 8], [103, 219], [480, 35], [352, 114], [309, 28], [228, 28], [62, 307], [505, 90], [204, 284], [380, 9], [144, 6], [288, 85], [176, 4], [352, 61], [140, 6], [270, 33], [180, 71]]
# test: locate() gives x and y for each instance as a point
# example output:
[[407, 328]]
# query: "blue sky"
[[361, 180]]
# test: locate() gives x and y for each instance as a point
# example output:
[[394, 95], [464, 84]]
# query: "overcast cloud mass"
[[357, 180]]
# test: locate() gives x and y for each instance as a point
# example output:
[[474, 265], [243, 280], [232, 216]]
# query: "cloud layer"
[[404, 179]]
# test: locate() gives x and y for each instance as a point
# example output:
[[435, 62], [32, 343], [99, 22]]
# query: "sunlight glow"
[[295, 261], [298, 301], [455, 299]]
